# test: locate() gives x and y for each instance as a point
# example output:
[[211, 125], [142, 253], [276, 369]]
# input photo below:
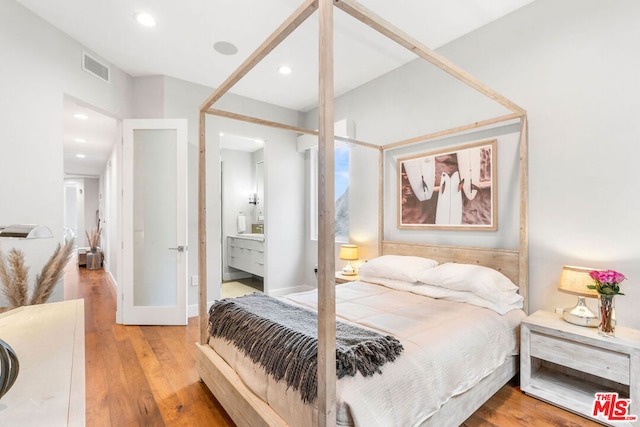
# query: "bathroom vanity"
[[246, 252]]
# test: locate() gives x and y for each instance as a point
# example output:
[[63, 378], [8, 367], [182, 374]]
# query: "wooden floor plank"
[[157, 376], [96, 378], [145, 375]]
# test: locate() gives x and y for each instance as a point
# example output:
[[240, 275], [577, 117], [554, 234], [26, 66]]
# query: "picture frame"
[[452, 188]]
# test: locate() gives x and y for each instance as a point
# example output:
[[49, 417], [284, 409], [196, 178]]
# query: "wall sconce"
[[349, 253], [253, 198], [574, 280]]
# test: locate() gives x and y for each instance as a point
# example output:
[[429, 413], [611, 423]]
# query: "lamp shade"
[[349, 252], [25, 231], [574, 280]]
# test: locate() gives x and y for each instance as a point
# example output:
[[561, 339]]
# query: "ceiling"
[[92, 137], [181, 43]]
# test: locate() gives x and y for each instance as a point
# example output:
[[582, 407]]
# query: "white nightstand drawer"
[[582, 357]]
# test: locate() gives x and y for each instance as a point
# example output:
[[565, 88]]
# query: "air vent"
[[94, 67]]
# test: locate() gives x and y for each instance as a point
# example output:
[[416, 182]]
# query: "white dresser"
[[49, 342], [246, 253]]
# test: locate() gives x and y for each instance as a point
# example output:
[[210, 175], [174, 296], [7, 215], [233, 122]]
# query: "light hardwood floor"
[[237, 288], [145, 375]]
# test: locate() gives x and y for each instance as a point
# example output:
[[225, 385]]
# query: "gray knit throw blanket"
[[283, 339]]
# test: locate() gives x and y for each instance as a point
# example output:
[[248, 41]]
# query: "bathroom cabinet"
[[246, 253]]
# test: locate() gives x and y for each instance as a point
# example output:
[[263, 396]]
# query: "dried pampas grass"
[[14, 275], [51, 273], [93, 238]]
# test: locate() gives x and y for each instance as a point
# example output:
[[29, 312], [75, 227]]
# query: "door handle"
[[179, 249]]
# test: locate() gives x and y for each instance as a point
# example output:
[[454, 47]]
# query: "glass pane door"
[[154, 217]]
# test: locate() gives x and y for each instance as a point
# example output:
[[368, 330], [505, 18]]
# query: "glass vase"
[[9, 368], [607, 316]]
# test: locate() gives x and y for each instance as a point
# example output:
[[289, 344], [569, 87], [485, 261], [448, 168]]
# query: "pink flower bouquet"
[[607, 282]]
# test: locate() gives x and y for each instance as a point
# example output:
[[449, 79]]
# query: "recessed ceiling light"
[[80, 140], [144, 19], [225, 48], [80, 156], [284, 69], [81, 116]]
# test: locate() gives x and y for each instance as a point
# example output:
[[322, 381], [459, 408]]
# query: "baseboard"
[[112, 280], [107, 269], [291, 290], [192, 309]]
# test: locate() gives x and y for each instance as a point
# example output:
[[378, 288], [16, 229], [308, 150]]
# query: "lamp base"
[[580, 315], [348, 270]]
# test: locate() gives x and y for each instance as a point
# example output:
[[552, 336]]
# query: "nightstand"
[[341, 278], [566, 364]]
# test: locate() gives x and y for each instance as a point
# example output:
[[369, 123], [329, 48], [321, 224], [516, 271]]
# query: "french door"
[[154, 207]]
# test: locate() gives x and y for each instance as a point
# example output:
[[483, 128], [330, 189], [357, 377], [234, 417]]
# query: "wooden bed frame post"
[[523, 251], [326, 223], [380, 199], [202, 228]]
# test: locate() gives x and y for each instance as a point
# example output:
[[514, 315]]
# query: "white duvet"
[[448, 348]]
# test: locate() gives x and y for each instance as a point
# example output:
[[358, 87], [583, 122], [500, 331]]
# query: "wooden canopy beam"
[[452, 131], [374, 21], [263, 122], [281, 33]]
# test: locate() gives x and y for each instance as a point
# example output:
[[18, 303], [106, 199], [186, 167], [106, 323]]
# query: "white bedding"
[[448, 348]]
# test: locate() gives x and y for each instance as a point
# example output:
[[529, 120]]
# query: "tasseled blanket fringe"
[[283, 339]]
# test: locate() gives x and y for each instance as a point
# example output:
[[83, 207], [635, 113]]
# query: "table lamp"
[[574, 280], [25, 231], [349, 253]]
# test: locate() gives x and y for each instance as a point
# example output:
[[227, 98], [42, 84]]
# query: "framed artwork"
[[452, 189]]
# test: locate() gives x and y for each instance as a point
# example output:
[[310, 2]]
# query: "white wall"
[[573, 66], [284, 215], [39, 65]]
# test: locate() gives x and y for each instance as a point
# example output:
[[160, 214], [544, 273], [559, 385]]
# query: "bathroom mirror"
[[259, 220]]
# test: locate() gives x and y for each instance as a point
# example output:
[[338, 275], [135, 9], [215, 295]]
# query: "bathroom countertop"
[[250, 236]]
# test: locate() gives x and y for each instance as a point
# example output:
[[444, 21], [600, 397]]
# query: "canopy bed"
[[232, 388]]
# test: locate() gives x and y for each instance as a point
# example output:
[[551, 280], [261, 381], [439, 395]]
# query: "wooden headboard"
[[504, 260]]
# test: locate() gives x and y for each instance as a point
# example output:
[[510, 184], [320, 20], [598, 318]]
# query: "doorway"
[[89, 141], [154, 222], [242, 213]]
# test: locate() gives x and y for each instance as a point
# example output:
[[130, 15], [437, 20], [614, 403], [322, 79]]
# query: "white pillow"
[[399, 285], [512, 302], [485, 282], [397, 267]]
